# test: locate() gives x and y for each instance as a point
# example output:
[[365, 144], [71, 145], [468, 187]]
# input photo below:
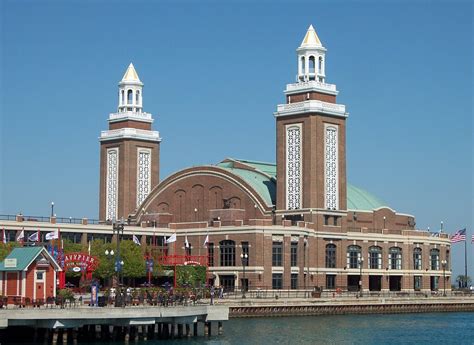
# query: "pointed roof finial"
[[130, 74], [311, 38]]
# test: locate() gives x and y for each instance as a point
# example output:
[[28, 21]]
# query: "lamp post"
[[361, 263], [444, 263], [244, 258], [117, 227], [52, 208], [384, 219], [109, 255]]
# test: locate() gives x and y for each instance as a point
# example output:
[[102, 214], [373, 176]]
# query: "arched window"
[[312, 64], [320, 66], [227, 248], [122, 97], [417, 261], [303, 65], [375, 257], [129, 97], [434, 259], [353, 256], [395, 258], [331, 256], [137, 98]]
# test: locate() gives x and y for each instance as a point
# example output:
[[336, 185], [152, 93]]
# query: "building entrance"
[[395, 283], [375, 283], [353, 283], [228, 282]]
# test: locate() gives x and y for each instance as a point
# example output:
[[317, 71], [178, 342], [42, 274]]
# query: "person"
[[212, 294], [221, 292], [112, 293]]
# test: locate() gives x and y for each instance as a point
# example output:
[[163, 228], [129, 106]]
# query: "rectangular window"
[[417, 283], [210, 254], [335, 219], [375, 260], [277, 254], [277, 281], [330, 281], [330, 256], [294, 254], [417, 263], [294, 281], [326, 220], [39, 276]]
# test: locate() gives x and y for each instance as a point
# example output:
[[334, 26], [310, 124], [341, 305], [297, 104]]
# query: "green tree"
[[6, 248], [190, 275], [133, 260]]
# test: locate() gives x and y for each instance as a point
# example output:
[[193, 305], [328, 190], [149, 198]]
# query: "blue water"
[[433, 328]]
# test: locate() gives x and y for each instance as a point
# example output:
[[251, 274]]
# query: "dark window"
[[294, 281], [210, 254], [417, 261], [320, 67], [417, 283], [74, 237], [302, 65], [434, 256], [447, 259], [330, 281], [312, 64], [129, 97], [245, 250], [375, 257], [294, 254], [227, 253], [335, 220], [39, 275], [395, 257], [326, 220], [106, 238], [331, 256], [277, 254], [353, 256], [277, 281]]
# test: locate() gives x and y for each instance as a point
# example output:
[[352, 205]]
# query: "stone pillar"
[[206, 329], [55, 337], [65, 331]]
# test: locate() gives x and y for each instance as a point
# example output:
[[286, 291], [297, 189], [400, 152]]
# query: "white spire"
[[130, 92], [311, 38], [130, 75]]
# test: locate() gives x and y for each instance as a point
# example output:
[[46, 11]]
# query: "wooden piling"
[[219, 327], [65, 336], [206, 329], [188, 330], [74, 336], [55, 337], [127, 334]]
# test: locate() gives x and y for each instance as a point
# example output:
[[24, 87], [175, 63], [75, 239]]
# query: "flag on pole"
[[186, 243], [472, 238], [206, 240], [21, 236], [171, 239], [34, 237], [53, 235], [135, 240], [459, 236], [89, 249], [4, 238]]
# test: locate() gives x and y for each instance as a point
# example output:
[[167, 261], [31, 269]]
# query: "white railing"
[[130, 133], [311, 106], [131, 115], [313, 84]]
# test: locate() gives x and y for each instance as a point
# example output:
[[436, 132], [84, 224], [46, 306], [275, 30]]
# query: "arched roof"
[[262, 177]]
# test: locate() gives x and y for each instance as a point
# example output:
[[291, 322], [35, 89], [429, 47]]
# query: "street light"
[[444, 263], [361, 263], [109, 254], [52, 208], [384, 219], [117, 227], [244, 258]]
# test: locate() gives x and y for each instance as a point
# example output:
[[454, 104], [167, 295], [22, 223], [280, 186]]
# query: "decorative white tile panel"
[[331, 167], [143, 174], [293, 166], [112, 183]]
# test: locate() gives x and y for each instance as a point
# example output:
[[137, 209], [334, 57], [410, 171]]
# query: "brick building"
[[299, 222]]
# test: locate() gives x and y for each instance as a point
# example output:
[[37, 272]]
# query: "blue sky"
[[213, 76]]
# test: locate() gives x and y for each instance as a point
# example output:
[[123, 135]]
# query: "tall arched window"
[[303, 65], [129, 97], [417, 260], [137, 98], [312, 64], [320, 64], [375, 257], [227, 248], [331, 256], [353, 256], [122, 97], [434, 259], [395, 258]]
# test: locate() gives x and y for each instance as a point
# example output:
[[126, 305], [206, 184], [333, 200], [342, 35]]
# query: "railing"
[[47, 219], [311, 84]]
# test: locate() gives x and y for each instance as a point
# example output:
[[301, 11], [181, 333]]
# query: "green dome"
[[262, 177]]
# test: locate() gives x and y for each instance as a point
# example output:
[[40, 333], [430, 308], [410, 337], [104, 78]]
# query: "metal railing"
[[47, 219]]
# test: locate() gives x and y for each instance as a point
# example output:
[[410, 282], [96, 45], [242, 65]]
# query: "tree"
[[6, 248], [190, 275], [463, 281]]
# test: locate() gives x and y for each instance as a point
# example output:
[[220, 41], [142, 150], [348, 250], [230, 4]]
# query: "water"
[[432, 328]]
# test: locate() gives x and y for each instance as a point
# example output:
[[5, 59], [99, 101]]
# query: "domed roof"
[[262, 177]]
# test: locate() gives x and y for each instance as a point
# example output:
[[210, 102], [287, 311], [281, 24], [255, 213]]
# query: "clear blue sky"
[[213, 76]]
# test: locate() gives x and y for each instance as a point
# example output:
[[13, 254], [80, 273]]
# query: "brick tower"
[[311, 134], [129, 153]]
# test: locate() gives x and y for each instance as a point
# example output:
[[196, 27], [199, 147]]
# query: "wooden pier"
[[54, 325]]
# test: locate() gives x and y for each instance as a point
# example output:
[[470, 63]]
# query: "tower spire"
[[130, 92], [311, 58]]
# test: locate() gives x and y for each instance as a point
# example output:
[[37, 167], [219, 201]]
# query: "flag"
[[186, 243], [135, 240], [206, 240], [21, 236], [472, 238], [459, 236], [53, 235], [89, 249], [34, 237], [4, 238], [171, 239]]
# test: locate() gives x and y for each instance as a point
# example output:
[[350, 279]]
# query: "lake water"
[[432, 328]]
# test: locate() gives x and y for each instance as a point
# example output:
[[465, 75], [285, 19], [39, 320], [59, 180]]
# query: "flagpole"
[[465, 263]]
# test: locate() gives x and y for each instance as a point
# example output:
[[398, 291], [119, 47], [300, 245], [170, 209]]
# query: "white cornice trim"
[[130, 133], [309, 86], [311, 106]]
